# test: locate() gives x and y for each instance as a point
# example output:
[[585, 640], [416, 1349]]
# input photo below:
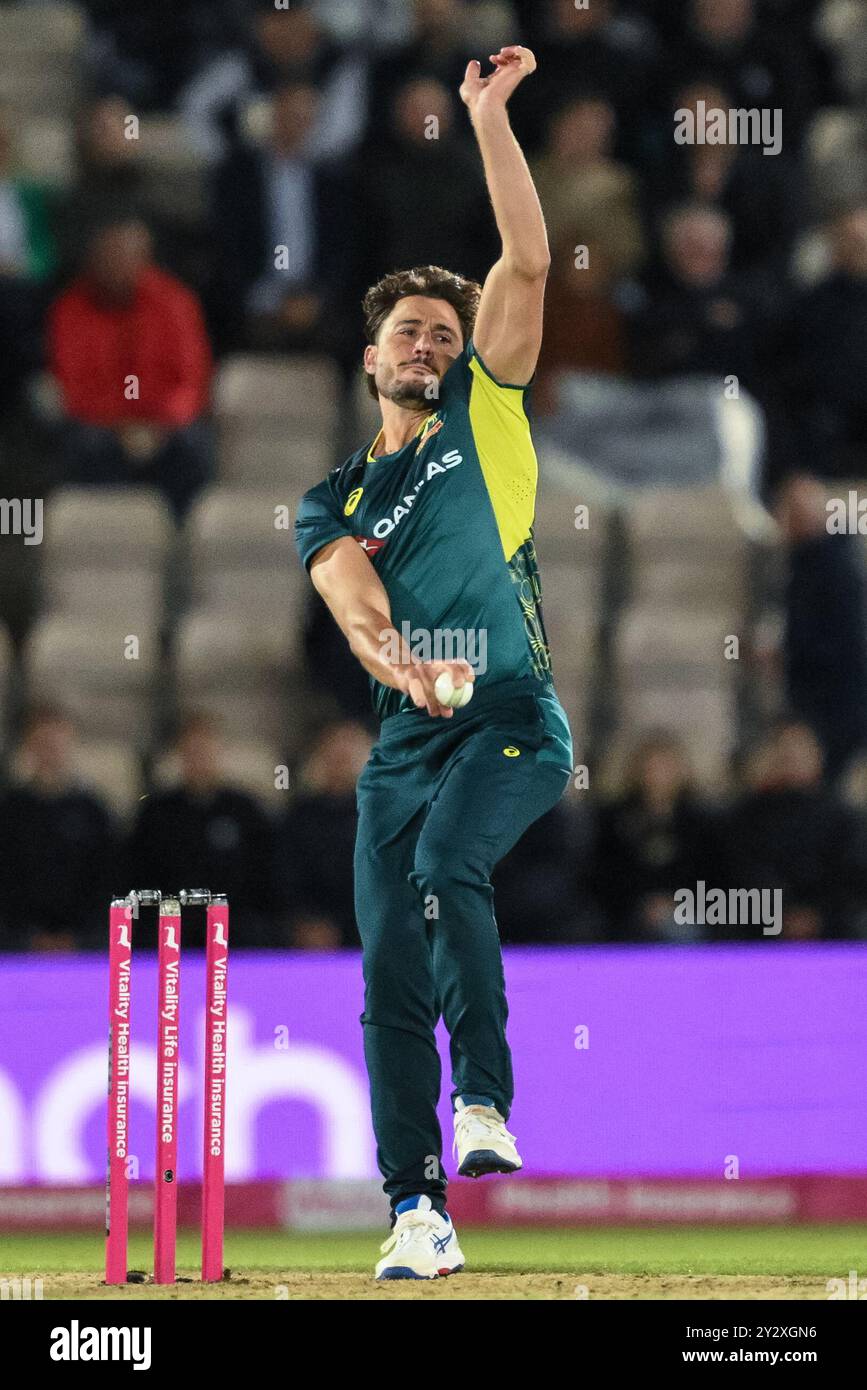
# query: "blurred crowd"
[[334, 131], [333, 148], [602, 869]]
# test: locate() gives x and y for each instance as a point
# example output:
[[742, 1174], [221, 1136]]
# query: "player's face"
[[416, 346]]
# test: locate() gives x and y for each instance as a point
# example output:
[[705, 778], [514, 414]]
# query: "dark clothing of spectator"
[[179, 468], [805, 842], [147, 51], [826, 387], [102, 194], [641, 858], [535, 885], [222, 841], [761, 197], [21, 314], [251, 187], [315, 847], [421, 197], [58, 865], [759, 71], [677, 329], [214, 102], [408, 62], [614, 61], [332, 670], [825, 644]]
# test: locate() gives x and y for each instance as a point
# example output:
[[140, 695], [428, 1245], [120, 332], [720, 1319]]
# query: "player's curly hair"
[[432, 280]]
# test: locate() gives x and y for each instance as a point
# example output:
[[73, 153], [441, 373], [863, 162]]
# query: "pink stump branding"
[[168, 1044], [117, 1178], [216, 972]]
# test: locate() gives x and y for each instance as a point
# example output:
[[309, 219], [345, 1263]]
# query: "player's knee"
[[444, 877]]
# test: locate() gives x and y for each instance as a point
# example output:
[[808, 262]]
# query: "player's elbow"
[[532, 266]]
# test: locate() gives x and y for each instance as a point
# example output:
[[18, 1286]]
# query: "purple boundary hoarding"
[[691, 1055]]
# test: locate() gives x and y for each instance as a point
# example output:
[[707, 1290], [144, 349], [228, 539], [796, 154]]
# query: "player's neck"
[[399, 426]]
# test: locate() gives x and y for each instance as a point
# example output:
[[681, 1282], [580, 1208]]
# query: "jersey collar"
[[422, 430]]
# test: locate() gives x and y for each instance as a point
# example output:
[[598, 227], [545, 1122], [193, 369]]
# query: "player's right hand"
[[418, 678]]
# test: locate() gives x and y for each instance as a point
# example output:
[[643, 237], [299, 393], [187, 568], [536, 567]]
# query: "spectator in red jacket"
[[127, 344]]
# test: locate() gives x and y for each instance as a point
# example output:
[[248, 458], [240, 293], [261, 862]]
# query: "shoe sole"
[[483, 1161], [404, 1272]]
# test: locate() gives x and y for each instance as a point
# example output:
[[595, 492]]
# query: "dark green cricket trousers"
[[440, 802]]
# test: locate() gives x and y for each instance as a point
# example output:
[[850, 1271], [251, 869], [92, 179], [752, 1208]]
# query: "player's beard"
[[410, 392]]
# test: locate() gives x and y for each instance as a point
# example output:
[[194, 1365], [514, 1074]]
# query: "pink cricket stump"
[[168, 1044], [216, 1019], [117, 1175]]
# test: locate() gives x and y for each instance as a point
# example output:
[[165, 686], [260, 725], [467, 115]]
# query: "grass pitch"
[[767, 1262]]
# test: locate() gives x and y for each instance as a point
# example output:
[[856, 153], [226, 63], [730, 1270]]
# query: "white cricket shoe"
[[422, 1244], [482, 1142]]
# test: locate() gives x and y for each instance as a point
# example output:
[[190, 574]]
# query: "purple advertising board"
[[659, 1061]]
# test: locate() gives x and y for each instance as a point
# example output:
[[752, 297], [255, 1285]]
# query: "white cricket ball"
[[447, 695]]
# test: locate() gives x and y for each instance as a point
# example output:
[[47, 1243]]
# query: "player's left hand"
[[511, 65]]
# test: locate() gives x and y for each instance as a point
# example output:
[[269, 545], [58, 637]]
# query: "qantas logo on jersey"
[[387, 524]]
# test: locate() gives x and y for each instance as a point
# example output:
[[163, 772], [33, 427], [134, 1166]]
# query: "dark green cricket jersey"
[[448, 524]]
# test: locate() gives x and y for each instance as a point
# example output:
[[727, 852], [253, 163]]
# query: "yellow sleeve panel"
[[501, 432]]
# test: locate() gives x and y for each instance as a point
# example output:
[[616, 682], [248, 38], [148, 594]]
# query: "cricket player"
[[426, 534]]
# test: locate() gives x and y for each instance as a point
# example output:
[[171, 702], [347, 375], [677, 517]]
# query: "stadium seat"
[[166, 145], [105, 555], [702, 521], [43, 30], [572, 594], [174, 171], [367, 417], [241, 672], [241, 560], [91, 670], [46, 149], [277, 420], [40, 47], [302, 390], [114, 527], [558, 537], [688, 549], [668, 646], [261, 458]]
